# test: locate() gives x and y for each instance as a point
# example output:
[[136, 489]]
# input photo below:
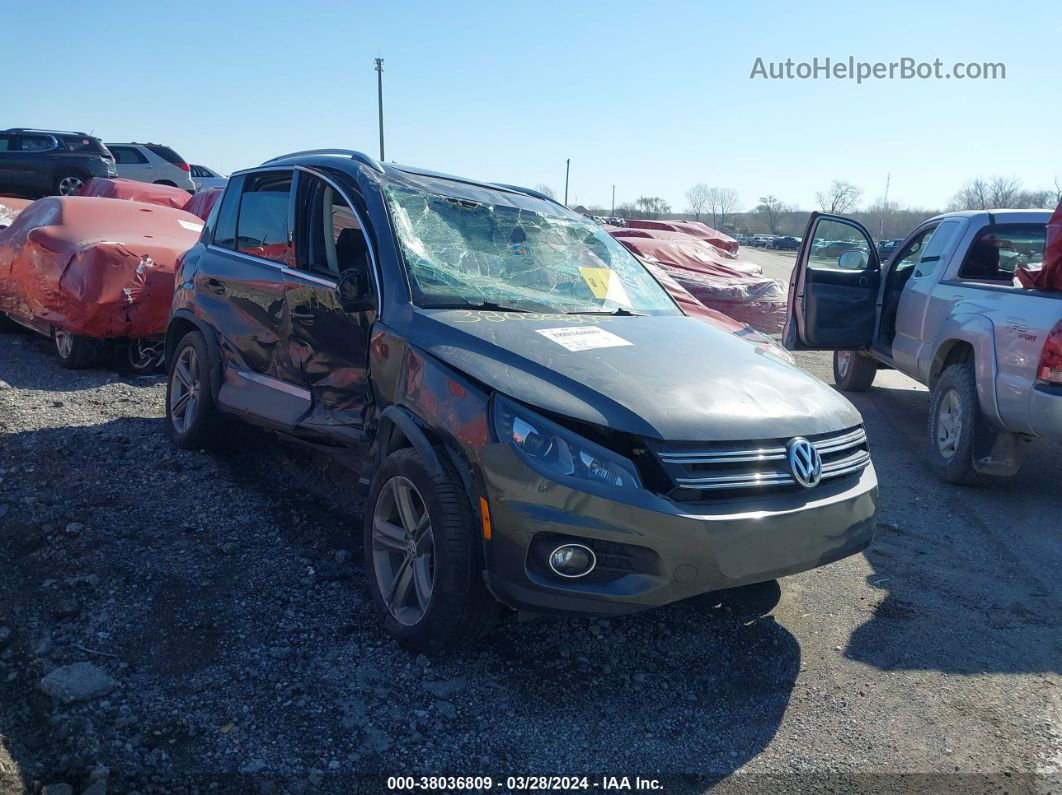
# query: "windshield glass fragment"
[[532, 257]]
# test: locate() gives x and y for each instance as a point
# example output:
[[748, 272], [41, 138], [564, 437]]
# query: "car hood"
[[672, 378]]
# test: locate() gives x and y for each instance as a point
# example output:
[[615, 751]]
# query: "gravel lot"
[[214, 610]]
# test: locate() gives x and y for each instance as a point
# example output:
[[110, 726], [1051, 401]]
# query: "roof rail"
[[360, 157], [529, 192]]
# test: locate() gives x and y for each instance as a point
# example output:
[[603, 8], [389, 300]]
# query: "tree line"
[[721, 207]]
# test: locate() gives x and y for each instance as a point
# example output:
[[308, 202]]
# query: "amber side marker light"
[[484, 512]]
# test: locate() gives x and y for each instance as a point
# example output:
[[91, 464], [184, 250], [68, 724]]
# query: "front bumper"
[[679, 550]]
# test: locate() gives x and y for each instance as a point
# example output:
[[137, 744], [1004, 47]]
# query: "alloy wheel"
[[949, 423], [70, 186], [64, 343], [184, 389], [403, 550], [844, 361]]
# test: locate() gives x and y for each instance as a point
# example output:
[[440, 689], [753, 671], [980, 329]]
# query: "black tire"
[[9, 326], [852, 371], [951, 448], [200, 426], [460, 610], [69, 183], [76, 352]]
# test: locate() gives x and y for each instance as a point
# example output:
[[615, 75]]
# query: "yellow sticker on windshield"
[[605, 284]]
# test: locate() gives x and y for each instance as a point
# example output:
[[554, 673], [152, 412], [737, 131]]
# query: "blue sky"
[[651, 98]]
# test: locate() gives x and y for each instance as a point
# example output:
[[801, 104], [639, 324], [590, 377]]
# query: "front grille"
[[734, 469]]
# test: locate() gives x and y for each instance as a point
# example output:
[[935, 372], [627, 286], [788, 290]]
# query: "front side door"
[[240, 285], [328, 344], [8, 181], [833, 289], [36, 161]]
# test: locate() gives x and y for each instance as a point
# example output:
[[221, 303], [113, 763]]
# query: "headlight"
[[547, 445]]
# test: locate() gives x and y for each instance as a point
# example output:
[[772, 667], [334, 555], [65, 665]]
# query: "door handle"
[[216, 287]]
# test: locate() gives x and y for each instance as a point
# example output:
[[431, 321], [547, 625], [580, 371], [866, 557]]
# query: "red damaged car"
[[94, 274]]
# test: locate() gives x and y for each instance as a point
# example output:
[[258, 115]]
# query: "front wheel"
[[422, 551], [954, 419], [76, 352], [852, 371]]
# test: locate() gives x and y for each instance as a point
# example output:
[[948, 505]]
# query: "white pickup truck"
[[945, 309]]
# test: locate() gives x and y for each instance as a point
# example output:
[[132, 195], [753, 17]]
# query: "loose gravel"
[[181, 621]]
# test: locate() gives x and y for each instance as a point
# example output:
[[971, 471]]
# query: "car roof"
[[45, 132], [1003, 213], [350, 160]]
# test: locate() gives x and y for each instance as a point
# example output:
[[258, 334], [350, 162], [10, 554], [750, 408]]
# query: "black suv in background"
[[45, 162]]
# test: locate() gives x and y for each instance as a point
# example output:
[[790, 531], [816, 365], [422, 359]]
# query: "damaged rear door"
[[833, 290], [329, 338]]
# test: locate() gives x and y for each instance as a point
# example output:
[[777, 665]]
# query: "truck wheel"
[[193, 421], [954, 418], [852, 371], [422, 551], [76, 352]]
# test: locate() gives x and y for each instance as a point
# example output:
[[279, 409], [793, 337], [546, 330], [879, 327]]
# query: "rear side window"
[[6, 142], [36, 143], [1001, 249], [166, 153], [263, 226], [127, 155], [83, 143]]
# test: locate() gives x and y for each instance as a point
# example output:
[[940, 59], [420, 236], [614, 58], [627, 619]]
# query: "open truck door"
[[833, 289]]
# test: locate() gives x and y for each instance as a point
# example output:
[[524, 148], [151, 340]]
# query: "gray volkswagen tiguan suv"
[[536, 422]]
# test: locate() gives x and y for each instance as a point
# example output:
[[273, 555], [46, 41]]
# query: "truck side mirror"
[[354, 290]]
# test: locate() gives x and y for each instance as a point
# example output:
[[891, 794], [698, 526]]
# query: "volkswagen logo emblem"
[[804, 462]]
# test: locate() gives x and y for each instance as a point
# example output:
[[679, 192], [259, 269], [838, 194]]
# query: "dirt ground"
[[214, 608]]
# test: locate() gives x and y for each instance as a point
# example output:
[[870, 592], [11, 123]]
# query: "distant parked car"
[[886, 248], [37, 163], [152, 163], [761, 241], [203, 177], [784, 243]]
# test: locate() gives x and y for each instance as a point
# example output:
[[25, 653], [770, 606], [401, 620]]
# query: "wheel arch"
[[970, 339], [180, 324]]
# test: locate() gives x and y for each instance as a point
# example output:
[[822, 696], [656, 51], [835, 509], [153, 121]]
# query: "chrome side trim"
[[273, 383], [308, 277]]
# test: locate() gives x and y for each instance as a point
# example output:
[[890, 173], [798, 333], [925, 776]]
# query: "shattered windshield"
[[527, 255]]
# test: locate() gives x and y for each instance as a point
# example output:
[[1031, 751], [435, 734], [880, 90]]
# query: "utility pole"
[[379, 98], [567, 168], [884, 206], [613, 201]]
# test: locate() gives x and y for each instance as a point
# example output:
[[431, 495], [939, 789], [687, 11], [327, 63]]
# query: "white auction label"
[[583, 338]]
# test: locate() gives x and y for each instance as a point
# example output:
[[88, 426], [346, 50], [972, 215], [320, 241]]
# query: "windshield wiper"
[[489, 306], [618, 311]]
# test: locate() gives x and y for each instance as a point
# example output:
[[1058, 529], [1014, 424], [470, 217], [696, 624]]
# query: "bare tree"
[[626, 210], [697, 199], [652, 206], [1004, 191], [840, 197], [547, 190], [722, 203], [1058, 190], [771, 209]]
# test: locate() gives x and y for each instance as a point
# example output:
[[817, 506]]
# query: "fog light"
[[572, 560]]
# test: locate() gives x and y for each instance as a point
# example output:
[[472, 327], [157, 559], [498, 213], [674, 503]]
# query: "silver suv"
[[152, 163]]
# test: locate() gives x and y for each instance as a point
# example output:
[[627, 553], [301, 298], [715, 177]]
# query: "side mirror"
[[354, 290], [852, 260]]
